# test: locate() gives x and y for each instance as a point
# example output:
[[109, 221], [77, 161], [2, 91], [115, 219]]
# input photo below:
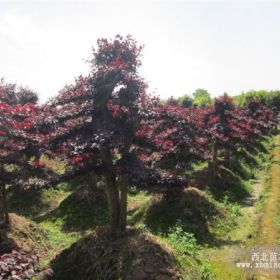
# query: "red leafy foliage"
[[18, 265], [103, 112], [19, 138]]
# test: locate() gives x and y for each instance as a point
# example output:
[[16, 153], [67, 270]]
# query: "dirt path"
[[268, 234], [268, 230], [223, 259]]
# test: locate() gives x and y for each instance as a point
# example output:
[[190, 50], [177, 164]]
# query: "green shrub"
[[184, 242]]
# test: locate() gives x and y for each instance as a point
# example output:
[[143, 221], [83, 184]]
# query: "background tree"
[[172, 101], [185, 101], [268, 98], [177, 137], [13, 94], [17, 139], [229, 126], [202, 98], [223, 128]]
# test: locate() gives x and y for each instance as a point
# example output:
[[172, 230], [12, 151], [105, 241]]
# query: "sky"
[[223, 46]]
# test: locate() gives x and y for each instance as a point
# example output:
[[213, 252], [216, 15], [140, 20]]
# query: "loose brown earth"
[[21, 234], [137, 256]]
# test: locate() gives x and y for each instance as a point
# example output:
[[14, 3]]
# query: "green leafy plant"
[[184, 242], [233, 208], [206, 272]]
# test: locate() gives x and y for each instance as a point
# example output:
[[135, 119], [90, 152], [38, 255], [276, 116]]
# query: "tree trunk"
[[92, 181], [113, 202], [4, 215], [112, 191], [227, 157], [215, 156], [123, 205]]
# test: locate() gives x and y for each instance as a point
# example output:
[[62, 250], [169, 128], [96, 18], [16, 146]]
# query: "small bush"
[[206, 272], [233, 208], [184, 242]]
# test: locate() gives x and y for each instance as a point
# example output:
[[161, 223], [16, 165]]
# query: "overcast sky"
[[221, 46]]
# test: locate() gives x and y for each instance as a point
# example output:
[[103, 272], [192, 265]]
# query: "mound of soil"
[[221, 182], [190, 207], [137, 256], [197, 200], [82, 210], [21, 234]]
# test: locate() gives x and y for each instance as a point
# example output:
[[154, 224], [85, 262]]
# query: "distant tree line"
[[202, 98]]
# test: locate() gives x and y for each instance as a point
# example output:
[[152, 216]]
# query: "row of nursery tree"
[[107, 124], [202, 98]]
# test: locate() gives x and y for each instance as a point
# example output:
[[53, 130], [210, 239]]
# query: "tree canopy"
[[202, 98]]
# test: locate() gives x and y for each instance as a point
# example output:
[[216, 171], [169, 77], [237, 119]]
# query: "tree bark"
[[227, 157], [113, 203], [4, 215], [112, 192], [92, 181], [215, 156], [123, 205]]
